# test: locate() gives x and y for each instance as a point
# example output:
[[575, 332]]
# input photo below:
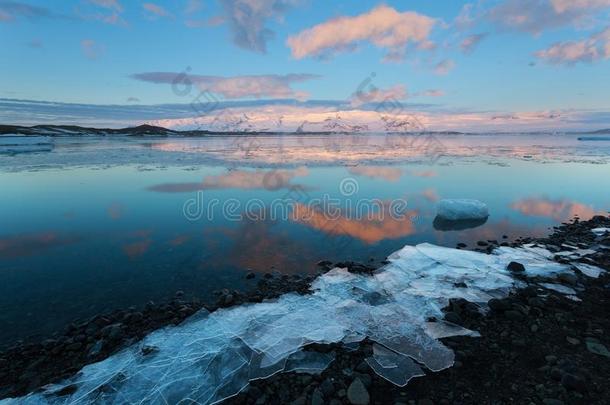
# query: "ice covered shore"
[[213, 356]]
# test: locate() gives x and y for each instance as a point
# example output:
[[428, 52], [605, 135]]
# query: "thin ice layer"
[[211, 357]]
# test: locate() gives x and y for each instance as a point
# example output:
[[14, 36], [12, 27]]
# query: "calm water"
[[98, 224]]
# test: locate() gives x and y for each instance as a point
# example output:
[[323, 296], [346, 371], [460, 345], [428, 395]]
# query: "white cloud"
[[594, 48], [383, 26]]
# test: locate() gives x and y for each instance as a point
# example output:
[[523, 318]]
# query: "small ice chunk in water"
[[460, 209]]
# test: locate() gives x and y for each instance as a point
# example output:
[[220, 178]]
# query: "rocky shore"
[[536, 346]]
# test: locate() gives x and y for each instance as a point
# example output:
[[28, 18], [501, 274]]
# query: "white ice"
[[213, 356], [560, 288], [600, 231], [588, 270], [461, 209]]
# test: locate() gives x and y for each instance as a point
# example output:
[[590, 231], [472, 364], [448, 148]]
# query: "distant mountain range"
[[151, 130]]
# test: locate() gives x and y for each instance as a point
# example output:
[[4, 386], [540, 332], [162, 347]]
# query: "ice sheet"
[[589, 270], [560, 288], [211, 357]]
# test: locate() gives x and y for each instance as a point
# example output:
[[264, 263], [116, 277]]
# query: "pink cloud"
[[469, 43], [237, 86], [536, 16], [383, 26], [594, 48], [561, 6], [116, 10], [91, 49], [444, 67], [314, 118], [4, 16], [430, 93], [375, 95], [156, 10], [193, 6], [109, 4]]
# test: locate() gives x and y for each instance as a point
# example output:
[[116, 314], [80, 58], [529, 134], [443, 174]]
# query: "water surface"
[[101, 223]]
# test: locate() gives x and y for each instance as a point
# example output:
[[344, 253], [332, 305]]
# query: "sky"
[[480, 65]]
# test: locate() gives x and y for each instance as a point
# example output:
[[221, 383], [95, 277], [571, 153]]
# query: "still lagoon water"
[[97, 224]]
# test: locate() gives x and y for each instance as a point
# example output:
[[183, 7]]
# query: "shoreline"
[[507, 335]]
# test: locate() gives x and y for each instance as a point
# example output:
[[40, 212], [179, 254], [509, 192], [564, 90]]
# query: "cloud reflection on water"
[[559, 210], [33, 243], [371, 229], [238, 179]]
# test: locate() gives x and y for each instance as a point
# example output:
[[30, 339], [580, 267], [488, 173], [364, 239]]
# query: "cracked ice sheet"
[[211, 357]]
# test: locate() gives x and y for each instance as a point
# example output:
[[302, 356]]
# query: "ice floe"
[[461, 209], [213, 356]]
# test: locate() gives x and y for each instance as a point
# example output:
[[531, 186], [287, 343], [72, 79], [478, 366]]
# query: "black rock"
[[357, 393], [498, 305], [112, 332], [453, 318], [515, 267], [572, 382], [327, 388], [514, 315], [317, 398], [250, 275]]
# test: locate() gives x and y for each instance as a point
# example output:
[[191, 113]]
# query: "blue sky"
[[548, 57]]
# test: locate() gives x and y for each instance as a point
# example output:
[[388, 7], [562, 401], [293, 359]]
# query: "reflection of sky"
[[75, 240]]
